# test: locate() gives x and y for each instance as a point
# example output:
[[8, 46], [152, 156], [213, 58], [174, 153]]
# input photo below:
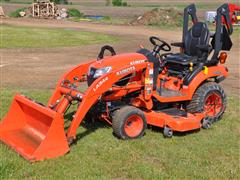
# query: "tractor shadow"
[[90, 126]]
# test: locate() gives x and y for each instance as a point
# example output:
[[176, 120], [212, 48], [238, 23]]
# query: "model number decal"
[[125, 71], [100, 83], [218, 72], [137, 62]]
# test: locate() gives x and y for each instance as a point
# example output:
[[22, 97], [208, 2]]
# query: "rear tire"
[[129, 123], [211, 99]]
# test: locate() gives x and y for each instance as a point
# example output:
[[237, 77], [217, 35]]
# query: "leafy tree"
[[117, 2], [16, 13], [72, 12], [60, 1]]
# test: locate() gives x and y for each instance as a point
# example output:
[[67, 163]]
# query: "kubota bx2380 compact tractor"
[[177, 92]]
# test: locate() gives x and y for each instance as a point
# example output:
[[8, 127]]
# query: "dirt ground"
[[41, 68], [138, 7]]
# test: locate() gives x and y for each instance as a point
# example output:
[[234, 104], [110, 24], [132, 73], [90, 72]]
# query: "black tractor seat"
[[182, 59], [195, 45]]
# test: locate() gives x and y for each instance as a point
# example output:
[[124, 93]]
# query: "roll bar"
[[221, 39], [189, 11]]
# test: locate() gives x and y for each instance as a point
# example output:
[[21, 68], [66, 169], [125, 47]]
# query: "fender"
[[201, 77], [213, 72]]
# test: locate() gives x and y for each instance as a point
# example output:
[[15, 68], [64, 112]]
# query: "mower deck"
[[175, 119]]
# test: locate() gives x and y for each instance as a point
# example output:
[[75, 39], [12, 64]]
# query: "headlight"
[[102, 71]]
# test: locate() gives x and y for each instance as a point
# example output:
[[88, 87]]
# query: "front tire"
[[211, 99], [129, 123]]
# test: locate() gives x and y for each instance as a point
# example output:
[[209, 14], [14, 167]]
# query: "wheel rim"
[[133, 125], [213, 104]]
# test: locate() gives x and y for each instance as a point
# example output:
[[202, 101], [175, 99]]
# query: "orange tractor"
[[178, 92]]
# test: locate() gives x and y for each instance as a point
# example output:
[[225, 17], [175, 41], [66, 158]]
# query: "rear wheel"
[[129, 123], [209, 98]]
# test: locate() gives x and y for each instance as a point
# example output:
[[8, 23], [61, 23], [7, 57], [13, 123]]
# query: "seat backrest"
[[199, 34]]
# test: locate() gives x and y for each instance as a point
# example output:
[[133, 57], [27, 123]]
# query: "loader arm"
[[96, 90], [77, 72]]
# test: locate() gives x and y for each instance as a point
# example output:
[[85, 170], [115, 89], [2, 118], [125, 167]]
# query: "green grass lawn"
[[27, 37], [205, 154], [105, 20]]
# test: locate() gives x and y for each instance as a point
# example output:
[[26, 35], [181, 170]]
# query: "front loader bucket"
[[34, 131]]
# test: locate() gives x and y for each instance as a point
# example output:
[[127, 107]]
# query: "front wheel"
[[129, 123], [210, 99]]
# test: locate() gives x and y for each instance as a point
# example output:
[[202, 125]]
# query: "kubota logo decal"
[[127, 70], [100, 83], [137, 62]]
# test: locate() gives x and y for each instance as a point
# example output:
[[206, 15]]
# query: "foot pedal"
[[175, 112], [168, 93]]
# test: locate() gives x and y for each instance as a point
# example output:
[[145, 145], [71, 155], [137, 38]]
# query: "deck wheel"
[[206, 124], [167, 132]]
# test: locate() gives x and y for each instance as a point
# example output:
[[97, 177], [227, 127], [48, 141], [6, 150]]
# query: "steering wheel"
[[159, 45]]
